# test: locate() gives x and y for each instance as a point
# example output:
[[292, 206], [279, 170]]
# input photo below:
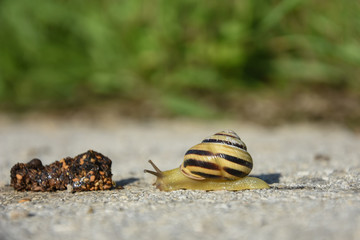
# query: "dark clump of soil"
[[86, 172]]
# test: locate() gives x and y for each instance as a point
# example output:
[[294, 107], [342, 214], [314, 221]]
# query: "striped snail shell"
[[220, 156]]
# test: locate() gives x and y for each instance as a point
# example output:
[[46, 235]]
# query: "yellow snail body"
[[220, 162]]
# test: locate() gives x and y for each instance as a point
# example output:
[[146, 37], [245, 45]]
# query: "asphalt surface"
[[313, 171]]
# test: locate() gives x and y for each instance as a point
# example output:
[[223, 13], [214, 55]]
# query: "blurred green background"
[[179, 57]]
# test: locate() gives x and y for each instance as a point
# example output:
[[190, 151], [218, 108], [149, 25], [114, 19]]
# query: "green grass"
[[176, 53]]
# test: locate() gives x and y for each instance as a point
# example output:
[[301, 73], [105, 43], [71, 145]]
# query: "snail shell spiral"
[[221, 156]]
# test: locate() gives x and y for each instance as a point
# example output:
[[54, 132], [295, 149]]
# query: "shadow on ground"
[[126, 181], [269, 178]]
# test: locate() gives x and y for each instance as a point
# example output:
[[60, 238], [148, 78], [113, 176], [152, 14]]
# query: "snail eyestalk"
[[158, 172]]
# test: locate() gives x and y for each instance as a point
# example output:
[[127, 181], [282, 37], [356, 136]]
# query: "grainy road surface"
[[313, 171]]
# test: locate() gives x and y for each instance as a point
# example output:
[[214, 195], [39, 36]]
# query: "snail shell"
[[220, 156]]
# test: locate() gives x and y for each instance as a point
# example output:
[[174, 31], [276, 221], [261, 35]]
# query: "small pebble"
[[18, 214], [24, 200], [69, 188], [90, 210], [322, 157]]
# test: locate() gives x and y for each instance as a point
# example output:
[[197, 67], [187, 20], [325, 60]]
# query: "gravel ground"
[[313, 171]]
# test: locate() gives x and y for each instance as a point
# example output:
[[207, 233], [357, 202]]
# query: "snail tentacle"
[[158, 172]]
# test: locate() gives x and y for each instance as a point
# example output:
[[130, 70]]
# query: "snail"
[[220, 162]]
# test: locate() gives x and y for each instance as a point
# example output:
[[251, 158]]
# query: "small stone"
[[69, 188], [90, 210], [322, 157], [24, 200], [18, 214]]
